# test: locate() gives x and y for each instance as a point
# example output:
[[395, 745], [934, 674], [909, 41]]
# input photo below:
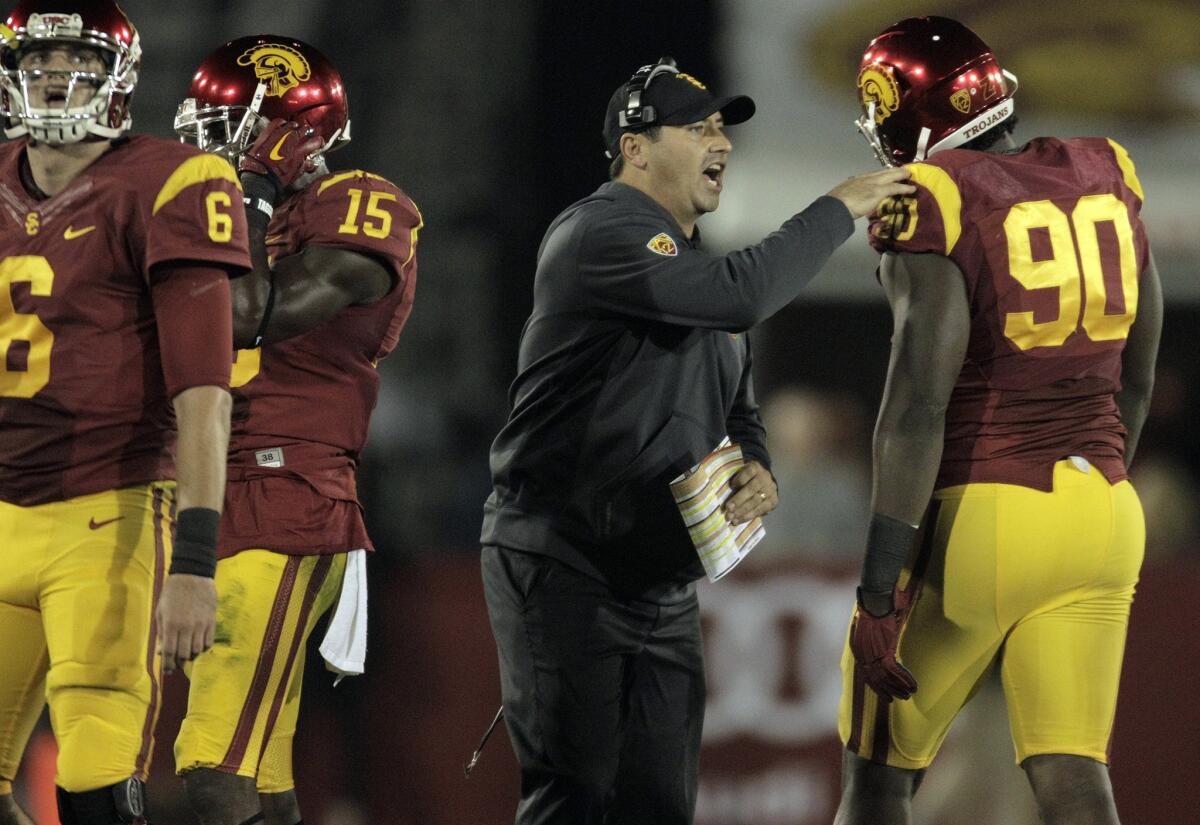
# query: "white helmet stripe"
[[975, 127]]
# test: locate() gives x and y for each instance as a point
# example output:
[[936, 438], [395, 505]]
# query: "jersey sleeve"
[[1127, 171], [363, 213], [1129, 189], [197, 215], [929, 220]]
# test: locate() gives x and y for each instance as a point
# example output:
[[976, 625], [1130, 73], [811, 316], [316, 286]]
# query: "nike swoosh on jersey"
[[274, 155], [96, 525], [200, 290], [70, 233]]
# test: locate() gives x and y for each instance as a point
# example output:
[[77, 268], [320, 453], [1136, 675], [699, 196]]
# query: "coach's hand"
[[874, 637], [754, 494], [862, 194], [187, 619], [282, 152]]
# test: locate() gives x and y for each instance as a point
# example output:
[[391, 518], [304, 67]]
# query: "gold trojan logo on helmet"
[[875, 83], [280, 67]]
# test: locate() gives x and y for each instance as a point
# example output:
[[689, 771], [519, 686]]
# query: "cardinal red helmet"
[[248, 82], [96, 24], [927, 84]]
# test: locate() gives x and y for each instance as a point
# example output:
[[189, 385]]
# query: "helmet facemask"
[[105, 115], [866, 128], [228, 131]]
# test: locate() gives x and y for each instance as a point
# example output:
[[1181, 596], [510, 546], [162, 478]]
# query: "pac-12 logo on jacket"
[[663, 245]]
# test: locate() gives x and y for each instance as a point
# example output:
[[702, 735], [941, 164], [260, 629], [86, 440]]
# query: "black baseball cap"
[[677, 100]]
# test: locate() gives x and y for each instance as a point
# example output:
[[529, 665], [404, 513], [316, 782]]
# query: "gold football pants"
[[244, 697], [79, 583], [1038, 582]]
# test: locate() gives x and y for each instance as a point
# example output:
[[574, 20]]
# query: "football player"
[[115, 257], [1026, 312], [332, 286]]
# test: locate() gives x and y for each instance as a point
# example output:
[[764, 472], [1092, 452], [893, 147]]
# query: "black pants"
[[603, 696]]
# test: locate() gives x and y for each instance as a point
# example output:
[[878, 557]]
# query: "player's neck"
[[1004, 144], [54, 167]]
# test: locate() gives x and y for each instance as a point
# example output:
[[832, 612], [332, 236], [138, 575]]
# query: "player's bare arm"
[[187, 609], [931, 327], [1137, 360], [309, 288], [192, 304], [299, 292]]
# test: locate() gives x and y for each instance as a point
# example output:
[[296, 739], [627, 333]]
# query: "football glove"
[[873, 641], [282, 152]]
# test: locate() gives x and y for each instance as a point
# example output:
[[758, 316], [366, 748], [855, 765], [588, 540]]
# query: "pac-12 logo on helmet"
[[877, 86], [277, 65], [961, 100]]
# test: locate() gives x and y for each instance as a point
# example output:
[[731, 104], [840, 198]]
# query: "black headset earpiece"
[[635, 114]]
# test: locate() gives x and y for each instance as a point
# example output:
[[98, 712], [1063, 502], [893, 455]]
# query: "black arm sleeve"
[[692, 288], [744, 424]]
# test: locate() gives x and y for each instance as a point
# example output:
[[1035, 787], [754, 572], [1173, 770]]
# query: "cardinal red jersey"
[[302, 406], [84, 405], [1049, 241]]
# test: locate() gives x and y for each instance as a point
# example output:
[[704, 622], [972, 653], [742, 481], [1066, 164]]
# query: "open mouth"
[[714, 172]]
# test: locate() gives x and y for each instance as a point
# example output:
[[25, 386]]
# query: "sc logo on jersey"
[[281, 67], [875, 83]]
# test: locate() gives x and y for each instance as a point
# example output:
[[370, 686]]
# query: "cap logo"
[[875, 83], [662, 244], [281, 67], [692, 80], [961, 100], [55, 24]]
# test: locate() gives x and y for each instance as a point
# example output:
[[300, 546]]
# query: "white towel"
[[344, 647]]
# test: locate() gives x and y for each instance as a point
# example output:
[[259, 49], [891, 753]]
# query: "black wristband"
[[195, 552], [255, 185], [258, 212], [889, 542]]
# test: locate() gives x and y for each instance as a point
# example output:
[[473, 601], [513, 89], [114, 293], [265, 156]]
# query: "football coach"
[[633, 365]]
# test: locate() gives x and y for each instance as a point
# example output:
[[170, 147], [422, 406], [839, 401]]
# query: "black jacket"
[[633, 365]]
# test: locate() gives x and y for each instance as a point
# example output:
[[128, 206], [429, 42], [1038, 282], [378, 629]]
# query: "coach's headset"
[[633, 114]]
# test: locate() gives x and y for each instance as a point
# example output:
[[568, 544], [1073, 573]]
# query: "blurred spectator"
[[1169, 493], [819, 447]]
